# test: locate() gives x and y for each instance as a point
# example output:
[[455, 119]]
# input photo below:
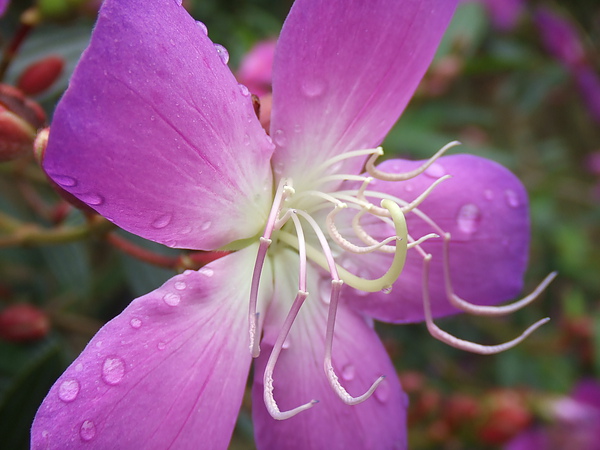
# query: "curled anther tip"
[[379, 151]]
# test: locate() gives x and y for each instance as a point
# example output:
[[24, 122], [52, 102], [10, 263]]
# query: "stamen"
[[269, 399], [326, 260], [283, 191], [347, 155], [374, 172], [334, 382], [481, 310], [461, 344], [347, 245]]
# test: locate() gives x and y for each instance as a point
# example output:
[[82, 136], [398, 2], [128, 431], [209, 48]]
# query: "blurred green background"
[[499, 89]]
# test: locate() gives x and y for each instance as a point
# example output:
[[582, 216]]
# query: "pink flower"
[[256, 68], [155, 134]]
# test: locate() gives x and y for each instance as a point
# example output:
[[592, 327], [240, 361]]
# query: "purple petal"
[[588, 81], [533, 439], [3, 6], [155, 133], [359, 359], [505, 14], [560, 37], [485, 208], [344, 72], [168, 372]]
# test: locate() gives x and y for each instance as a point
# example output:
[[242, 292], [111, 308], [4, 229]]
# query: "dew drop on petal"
[[246, 139], [202, 26], [223, 53], [348, 372], [468, 218], [488, 194], [279, 138], [408, 187], [188, 272], [113, 370], [387, 289], [382, 393], [87, 431], [205, 226], [207, 272], [135, 323], [64, 180], [244, 90], [313, 88], [512, 199], [172, 299], [92, 199], [180, 285], [286, 343], [78, 367], [68, 390], [161, 345], [435, 170], [161, 221]]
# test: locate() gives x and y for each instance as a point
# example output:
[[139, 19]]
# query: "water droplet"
[[161, 345], [387, 289], [87, 432], [468, 218], [78, 367], [45, 434], [279, 138], [92, 199], [246, 139], [170, 243], [435, 170], [286, 343], [512, 199], [180, 285], [297, 128], [152, 118], [313, 88], [278, 168], [207, 272], [188, 272], [65, 180], [488, 194], [99, 344], [407, 187], [244, 90], [202, 26], [113, 370], [162, 221], [68, 390], [382, 393], [348, 372], [172, 299], [223, 53], [135, 323], [205, 226]]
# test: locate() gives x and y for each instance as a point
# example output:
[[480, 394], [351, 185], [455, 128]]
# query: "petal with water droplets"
[[150, 132], [490, 239], [159, 376], [359, 359], [344, 72]]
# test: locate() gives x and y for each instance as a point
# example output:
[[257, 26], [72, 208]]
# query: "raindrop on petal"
[[279, 138], [162, 221], [382, 393], [78, 367], [135, 323], [202, 26], [64, 180], [468, 218], [68, 390], [180, 285], [435, 170], [161, 345], [244, 90], [207, 272], [113, 370], [348, 372], [512, 198], [387, 289], [313, 88], [87, 432], [205, 226], [488, 194], [172, 299], [92, 199], [223, 53]]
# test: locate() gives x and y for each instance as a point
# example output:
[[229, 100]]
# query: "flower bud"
[[23, 322], [40, 75]]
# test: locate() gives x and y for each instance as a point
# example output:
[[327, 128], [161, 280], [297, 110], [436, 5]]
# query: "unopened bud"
[[16, 136], [40, 75], [23, 322]]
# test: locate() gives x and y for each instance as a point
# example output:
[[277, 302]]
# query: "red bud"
[[40, 75], [23, 322]]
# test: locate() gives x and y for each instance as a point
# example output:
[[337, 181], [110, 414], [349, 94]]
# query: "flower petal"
[[344, 72], [156, 135], [485, 208], [169, 372], [359, 359]]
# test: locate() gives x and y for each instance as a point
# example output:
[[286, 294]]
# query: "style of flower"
[[156, 135]]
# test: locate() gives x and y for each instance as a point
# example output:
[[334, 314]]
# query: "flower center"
[[326, 246]]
